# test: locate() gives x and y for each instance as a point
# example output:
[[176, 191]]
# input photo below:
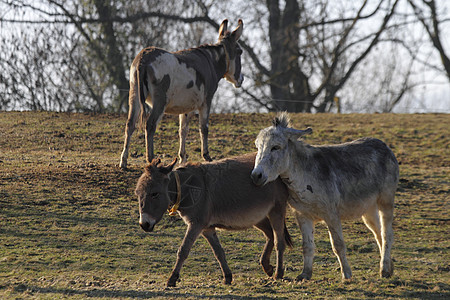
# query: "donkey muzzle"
[[258, 177], [146, 222], [147, 227], [238, 83]]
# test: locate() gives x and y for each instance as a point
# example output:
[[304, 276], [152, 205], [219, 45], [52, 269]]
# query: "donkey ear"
[[223, 28], [153, 165], [238, 31], [167, 169], [295, 134], [155, 162]]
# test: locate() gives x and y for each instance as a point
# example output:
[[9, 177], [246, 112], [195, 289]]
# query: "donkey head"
[[152, 192], [273, 158], [232, 52]]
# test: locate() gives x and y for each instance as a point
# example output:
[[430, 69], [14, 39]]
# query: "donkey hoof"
[[347, 280], [207, 157], [268, 270], [172, 281], [279, 275], [303, 277], [347, 277], [228, 279], [387, 273]]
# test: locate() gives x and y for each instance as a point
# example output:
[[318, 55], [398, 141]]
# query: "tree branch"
[[369, 48]]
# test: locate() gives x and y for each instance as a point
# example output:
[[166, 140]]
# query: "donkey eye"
[[154, 195], [275, 148]]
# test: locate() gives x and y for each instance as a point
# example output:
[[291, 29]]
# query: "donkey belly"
[[239, 219], [182, 101], [355, 208]]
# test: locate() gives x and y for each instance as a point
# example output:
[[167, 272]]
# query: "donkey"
[[331, 183], [215, 195], [180, 83]]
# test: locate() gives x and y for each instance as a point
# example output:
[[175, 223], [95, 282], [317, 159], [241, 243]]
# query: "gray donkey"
[[331, 183], [180, 83], [214, 195]]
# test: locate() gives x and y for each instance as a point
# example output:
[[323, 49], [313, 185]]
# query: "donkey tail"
[[287, 237], [141, 77]]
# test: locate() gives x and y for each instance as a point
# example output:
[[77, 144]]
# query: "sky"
[[431, 96]]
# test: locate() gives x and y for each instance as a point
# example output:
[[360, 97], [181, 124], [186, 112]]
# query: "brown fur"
[[214, 195]]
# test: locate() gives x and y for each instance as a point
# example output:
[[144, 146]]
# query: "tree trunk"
[[113, 59], [288, 84]]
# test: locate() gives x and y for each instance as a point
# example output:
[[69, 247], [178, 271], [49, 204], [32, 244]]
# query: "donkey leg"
[[372, 221], [387, 235], [338, 244], [133, 114], [276, 218], [189, 238], [266, 228], [183, 132], [211, 236], [307, 228], [203, 120], [151, 125]]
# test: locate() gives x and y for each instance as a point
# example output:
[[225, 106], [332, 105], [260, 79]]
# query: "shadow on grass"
[[423, 290], [412, 289], [107, 293]]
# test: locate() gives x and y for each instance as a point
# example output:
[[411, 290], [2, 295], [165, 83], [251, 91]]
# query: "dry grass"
[[68, 215]]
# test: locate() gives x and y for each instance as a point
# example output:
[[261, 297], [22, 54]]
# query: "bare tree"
[[299, 54], [428, 17], [88, 48], [305, 50]]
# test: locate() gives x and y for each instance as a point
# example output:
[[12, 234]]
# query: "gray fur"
[[214, 195], [330, 184]]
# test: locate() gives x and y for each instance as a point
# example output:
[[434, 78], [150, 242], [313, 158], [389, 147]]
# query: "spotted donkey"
[[180, 83]]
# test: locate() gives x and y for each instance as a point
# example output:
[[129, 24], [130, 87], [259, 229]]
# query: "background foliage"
[[299, 55]]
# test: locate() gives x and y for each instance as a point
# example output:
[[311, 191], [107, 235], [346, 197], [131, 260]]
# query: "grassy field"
[[69, 217]]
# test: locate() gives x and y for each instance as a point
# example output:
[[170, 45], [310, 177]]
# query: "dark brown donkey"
[[214, 195], [180, 83]]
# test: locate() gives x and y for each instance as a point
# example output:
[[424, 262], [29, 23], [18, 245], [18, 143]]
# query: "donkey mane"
[[282, 120], [189, 164], [203, 46]]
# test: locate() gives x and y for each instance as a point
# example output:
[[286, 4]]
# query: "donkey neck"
[[184, 190], [173, 190], [299, 156], [299, 177], [217, 57]]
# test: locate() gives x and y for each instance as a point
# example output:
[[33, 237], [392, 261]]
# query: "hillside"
[[69, 217]]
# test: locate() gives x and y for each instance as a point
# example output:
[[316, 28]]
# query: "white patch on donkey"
[[179, 98], [332, 183], [180, 83]]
